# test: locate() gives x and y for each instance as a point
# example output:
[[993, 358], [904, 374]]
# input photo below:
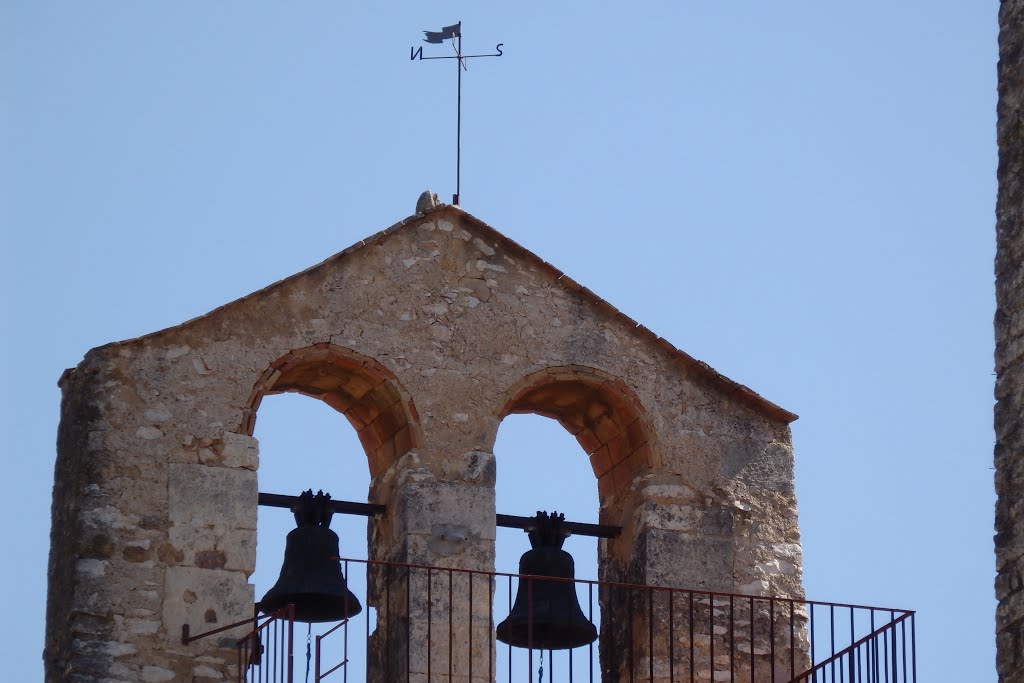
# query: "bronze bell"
[[311, 577], [558, 623]]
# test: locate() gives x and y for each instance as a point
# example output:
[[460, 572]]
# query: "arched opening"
[[304, 444], [358, 387], [604, 416], [540, 466]]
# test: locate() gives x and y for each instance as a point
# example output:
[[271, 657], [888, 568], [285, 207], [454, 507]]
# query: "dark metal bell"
[[311, 577], [546, 614]]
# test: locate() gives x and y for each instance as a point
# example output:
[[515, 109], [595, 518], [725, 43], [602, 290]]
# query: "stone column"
[[1009, 359], [705, 543], [432, 620]]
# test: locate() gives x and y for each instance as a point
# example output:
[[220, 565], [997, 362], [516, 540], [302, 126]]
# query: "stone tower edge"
[[1009, 353]]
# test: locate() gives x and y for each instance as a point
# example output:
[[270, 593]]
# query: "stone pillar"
[[1009, 356], [431, 620], [707, 542]]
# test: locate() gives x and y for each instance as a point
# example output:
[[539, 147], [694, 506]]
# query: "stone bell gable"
[[424, 336]]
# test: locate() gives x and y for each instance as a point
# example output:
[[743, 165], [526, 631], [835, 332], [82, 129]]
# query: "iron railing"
[[263, 655], [425, 624]]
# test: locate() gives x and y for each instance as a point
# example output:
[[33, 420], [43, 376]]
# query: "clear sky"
[[799, 193]]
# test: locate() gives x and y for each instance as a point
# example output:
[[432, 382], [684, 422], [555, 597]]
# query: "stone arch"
[[360, 388], [601, 411]]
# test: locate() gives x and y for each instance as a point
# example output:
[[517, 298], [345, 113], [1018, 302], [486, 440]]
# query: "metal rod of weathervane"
[[454, 33]]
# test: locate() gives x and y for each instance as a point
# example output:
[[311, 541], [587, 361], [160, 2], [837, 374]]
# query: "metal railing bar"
[[408, 625], [569, 655], [771, 636], [430, 602], [732, 641], [451, 622], [272, 656], [490, 632], [650, 635], [387, 623], [344, 655], [753, 661], [810, 627], [187, 638], [855, 645], [291, 642], [893, 651], [711, 633], [671, 638], [832, 629], [317, 676], [852, 635], [510, 647], [529, 625], [590, 615], [619, 584], [913, 647], [629, 623], [335, 668], [903, 638], [471, 629], [693, 672]]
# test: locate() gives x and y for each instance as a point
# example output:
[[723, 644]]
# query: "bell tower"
[[424, 337]]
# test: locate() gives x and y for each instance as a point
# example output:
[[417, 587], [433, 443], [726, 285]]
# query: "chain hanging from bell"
[[311, 577], [546, 615]]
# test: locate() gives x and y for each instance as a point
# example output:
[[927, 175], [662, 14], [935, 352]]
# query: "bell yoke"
[[546, 614]]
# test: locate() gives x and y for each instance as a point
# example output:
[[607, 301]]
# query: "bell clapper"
[[309, 648]]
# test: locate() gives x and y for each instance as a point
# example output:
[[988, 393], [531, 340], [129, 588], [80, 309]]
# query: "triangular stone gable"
[[484, 233]]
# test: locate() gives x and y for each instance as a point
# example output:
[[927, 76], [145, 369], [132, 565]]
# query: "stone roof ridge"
[[729, 387]]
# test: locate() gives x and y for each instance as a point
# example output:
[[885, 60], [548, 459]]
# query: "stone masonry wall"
[[1009, 357], [424, 337]]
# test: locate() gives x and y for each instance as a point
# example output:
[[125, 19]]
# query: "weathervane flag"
[[444, 34]]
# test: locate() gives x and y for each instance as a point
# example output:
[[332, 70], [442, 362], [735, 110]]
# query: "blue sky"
[[799, 193]]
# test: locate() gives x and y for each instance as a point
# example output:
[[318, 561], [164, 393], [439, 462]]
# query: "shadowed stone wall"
[[1009, 327], [424, 337]]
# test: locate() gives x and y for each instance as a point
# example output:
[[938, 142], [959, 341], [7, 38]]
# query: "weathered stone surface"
[[698, 562], [204, 598], [425, 336], [1009, 333], [208, 496]]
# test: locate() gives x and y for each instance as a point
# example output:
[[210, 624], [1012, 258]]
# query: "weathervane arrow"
[[453, 33]]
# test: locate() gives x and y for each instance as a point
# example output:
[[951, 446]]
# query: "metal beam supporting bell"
[[311, 577], [546, 614]]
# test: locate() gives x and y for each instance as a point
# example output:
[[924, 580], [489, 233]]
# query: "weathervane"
[[453, 32]]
